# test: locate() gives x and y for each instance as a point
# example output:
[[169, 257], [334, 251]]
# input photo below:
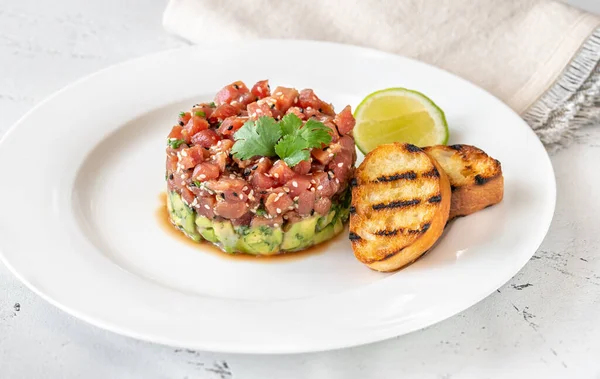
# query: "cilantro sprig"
[[256, 138], [289, 139]]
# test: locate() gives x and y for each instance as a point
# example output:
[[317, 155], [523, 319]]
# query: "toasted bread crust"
[[400, 205], [476, 178]]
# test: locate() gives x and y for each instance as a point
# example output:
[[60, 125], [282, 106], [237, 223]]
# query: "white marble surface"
[[544, 323]]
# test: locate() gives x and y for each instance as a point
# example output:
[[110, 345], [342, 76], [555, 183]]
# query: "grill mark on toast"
[[433, 173], [435, 199], [354, 237], [481, 180], [409, 175], [396, 204], [387, 233], [423, 229], [412, 148]]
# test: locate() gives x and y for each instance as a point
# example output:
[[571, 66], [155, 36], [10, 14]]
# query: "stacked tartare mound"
[[260, 171]]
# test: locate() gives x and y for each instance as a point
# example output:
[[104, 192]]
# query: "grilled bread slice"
[[475, 178], [400, 205]]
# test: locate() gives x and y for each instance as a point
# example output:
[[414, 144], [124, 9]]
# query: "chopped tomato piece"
[[190, 157], [230, 210], [184, 117], [193, 126], [323, 185], [258, 109], [205, 171], [281, 172], [297, 111], [298, 184], [344, 120], [205, 206], [302, 168], [263, 221], [201, 109], [262, 182], [230, 93], [227, 184], [222, 112], [176, 132], [264, 165], [286, 97], [323, 156], [231, 125], [244, 220], [307, 98], [322, 206], [278, 203], [206, 138], [187, 195], [261, 89], [306, 202]]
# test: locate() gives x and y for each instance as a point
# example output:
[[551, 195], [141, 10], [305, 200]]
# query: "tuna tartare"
[[261, 172]]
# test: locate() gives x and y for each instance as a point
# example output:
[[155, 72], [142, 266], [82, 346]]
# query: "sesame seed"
[[286, 189], [276, 225], [278, 93], [312, 189], [319, 187], [206, 206], [330, 155], [241, 99], [259, 111], [231, 176], [253, 114], [313, 181], [251, 197], [337, 180], [308, 108], [202, 176], [241, 196], [276, 175], [295, 184], [278, 210], [245, 188], [183, 153], [296, 198], [291, 207], [182, 176], [341, 164]]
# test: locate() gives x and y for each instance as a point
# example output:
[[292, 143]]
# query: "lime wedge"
[[398, 115]]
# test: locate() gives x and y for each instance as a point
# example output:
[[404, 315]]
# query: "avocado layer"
[[261, 240]]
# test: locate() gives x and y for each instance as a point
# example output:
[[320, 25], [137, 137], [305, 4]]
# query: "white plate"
[[84, 169]]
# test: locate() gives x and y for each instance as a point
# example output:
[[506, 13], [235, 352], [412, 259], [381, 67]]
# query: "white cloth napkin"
[[539, 56]]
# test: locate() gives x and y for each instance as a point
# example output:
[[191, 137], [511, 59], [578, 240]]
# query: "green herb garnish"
[[181, 114], [200, 114], [197, 183], [175, 143], [257, 138], [212, 104], [261, 212], [289, 139]]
